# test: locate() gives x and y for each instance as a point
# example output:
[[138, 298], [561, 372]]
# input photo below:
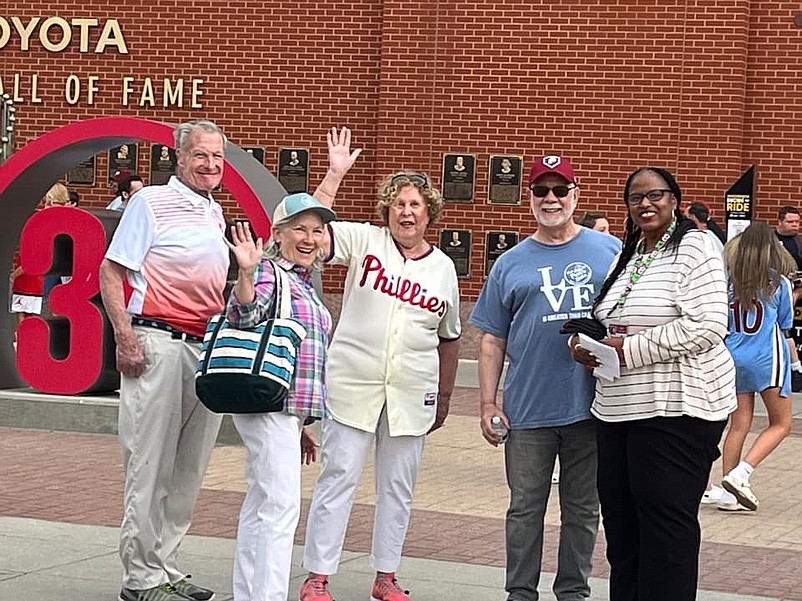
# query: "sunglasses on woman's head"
[[413, 178]]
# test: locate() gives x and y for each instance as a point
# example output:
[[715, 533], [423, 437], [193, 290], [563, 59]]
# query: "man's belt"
[[160, 325]]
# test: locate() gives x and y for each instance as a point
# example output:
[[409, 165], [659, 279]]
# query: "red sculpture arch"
[[29, 173]]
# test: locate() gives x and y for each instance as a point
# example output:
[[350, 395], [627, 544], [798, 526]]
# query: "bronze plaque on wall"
[[496, 244], [504, 174], [83, 174], [162, 163], [293, 169], [257, 152], [122, 158], [457, 245], [459, 171]]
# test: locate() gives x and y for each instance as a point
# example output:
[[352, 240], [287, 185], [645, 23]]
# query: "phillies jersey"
[[395, 311]]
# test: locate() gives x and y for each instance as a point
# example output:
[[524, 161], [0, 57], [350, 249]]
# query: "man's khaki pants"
[[166, 436]]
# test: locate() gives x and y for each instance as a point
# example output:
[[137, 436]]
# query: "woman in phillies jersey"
[[760, 309], [391, 368]]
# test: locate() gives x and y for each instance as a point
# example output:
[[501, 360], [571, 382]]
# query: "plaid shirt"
[[307, 395]]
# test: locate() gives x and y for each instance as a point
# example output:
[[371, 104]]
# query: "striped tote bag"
[[250, 370]]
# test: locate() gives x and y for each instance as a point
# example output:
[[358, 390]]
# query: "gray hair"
[[273, 250], [184, 131]]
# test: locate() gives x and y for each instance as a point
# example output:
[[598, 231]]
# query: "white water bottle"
[[499, 427]]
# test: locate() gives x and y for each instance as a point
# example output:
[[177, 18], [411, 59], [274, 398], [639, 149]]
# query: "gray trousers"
[[166, 436], [529, 458]]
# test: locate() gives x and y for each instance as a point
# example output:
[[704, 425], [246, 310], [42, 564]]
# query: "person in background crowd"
[[115, 183], [699, 213], [391, 371], [170, 247], [788, 222], [546, 407], [664, 305], [760, 310], [51, 281], [127, 186], [27, 291], [595, 220]]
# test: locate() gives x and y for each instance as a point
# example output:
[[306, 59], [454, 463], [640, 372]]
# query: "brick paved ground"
[[458, 511]]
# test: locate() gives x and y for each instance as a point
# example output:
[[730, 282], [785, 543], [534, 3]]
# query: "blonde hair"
[[57, 195], [755, 260], [391, 185]]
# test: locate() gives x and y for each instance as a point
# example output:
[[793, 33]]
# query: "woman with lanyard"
[[664, 306]]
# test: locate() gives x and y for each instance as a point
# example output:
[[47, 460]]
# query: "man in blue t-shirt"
[[549, 277]]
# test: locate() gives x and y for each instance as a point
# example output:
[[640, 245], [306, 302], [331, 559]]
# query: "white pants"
[[344, 450], [272, 505], [167, 437]]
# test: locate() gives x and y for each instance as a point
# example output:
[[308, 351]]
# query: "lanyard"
[[642, 264]]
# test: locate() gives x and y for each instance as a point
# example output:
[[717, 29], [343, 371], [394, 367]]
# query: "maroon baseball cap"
[[119, 175], [552, 164]]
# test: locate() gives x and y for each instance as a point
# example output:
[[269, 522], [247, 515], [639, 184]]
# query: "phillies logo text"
[[400, 288]]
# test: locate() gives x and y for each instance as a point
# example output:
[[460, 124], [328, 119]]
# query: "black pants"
[[652, 474]]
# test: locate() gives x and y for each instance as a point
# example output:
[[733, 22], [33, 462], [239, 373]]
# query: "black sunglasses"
[[560, 191], [417, 179]]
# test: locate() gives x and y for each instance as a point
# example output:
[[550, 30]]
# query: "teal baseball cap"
[[295, 204]]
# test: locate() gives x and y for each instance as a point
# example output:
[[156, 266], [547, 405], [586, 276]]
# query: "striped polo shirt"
[[171, 241]]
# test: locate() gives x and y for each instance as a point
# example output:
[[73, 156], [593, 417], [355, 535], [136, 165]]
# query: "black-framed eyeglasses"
[[417, 179], [652, 195], [561, 191]]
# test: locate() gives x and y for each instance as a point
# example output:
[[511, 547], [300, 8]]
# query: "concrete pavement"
[[61, 496]]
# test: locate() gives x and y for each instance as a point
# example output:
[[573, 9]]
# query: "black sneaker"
[[796, 381], [163, 592], [198, 593]]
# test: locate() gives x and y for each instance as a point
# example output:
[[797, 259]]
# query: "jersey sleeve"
[[450, 327], [785, 304], [347, 239]]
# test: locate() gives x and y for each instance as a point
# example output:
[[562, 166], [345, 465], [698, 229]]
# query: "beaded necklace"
[[642, 264]]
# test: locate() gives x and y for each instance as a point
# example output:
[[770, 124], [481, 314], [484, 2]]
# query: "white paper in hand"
[[609, 367]]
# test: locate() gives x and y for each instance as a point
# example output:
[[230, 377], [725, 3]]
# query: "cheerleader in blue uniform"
[[760, 311]]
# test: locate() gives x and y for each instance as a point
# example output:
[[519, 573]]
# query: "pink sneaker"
[[315, 588], [385, 588]]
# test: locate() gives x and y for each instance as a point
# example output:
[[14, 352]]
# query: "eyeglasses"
[[417, 179], [560, 191], [653, 196]]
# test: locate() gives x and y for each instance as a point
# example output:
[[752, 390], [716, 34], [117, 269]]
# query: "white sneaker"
[[713, 495], [732, 506], [742, 492]]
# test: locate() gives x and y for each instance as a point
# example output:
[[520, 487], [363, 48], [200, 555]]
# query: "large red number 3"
[[75, 305]]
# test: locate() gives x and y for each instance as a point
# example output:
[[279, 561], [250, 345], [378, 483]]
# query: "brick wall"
[[702, 87]]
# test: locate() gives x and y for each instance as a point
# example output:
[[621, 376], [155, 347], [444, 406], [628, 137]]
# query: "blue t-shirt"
[[531, 290]]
